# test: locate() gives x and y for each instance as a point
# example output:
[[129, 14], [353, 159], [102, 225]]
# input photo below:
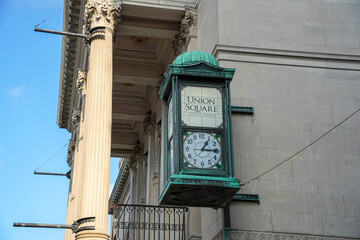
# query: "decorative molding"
[[101, 13], [81, 82], [98, 33], [158, 130], [148, 125], [69, 48], [71, 151], [157, 152], [75, 119], [119, 185], [233, 234], [143, 180], [198, 191], [203, 181], [286, 57], [145, 160], [135, 157], [187, 27]]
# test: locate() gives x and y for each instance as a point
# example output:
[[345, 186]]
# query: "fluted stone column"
[[70, 206], [100, 18], [77, 163]]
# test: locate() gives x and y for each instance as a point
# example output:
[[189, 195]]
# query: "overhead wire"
[[53, 14], [51, 157], [298, 152]]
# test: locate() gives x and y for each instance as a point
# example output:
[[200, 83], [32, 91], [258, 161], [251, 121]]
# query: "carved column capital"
[[75, 118], [81, 82], [187, 27], [70, 153], [135, 156], [148, 124], [101, 14]]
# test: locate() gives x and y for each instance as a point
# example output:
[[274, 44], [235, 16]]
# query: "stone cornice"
[[120, 183], [286, 57], [72, 23]]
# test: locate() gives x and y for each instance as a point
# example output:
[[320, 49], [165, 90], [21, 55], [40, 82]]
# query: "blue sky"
[[29, 83]]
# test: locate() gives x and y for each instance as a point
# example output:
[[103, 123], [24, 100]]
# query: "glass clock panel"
[[170, 119], [202, 150], [201, 106]]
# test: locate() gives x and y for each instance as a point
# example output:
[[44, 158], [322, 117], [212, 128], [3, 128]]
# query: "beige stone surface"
[[297, 223], [250, 217], [297, 65], [211, 222]]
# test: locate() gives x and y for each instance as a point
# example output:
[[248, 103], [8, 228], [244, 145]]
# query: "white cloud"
[[16, 92]]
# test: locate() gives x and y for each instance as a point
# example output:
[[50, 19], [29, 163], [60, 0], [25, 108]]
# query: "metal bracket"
[[247, 198], [244, 110], [68, 174], [75, 227], [86, 37]]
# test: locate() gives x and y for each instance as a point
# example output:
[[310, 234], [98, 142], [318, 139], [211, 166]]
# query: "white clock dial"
[[202, 150]]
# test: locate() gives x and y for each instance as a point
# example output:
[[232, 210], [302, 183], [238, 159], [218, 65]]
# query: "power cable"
[[302, 148], [51, 157], [50, 16]]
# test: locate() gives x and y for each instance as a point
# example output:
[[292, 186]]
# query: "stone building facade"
[[297, 65]]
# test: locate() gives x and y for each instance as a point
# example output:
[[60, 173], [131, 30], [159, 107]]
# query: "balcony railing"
[[147, 222]]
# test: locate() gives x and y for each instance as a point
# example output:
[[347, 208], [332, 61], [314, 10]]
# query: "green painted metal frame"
[[225, 168], [196, 69], [247, 198], [206, 75], [244, 110], [203, 182]]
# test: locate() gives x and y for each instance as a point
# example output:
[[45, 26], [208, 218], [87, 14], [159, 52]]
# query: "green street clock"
[[198, 169]]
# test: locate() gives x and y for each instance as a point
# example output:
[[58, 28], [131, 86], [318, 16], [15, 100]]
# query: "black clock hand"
[[215, 150], [206, 143]]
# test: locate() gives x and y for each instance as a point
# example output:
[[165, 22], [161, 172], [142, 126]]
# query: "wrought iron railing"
[[140, 222]]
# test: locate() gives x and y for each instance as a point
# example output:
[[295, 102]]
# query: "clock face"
[[202, 150]]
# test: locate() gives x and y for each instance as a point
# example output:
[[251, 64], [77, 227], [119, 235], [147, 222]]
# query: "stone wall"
[[298, 64]]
